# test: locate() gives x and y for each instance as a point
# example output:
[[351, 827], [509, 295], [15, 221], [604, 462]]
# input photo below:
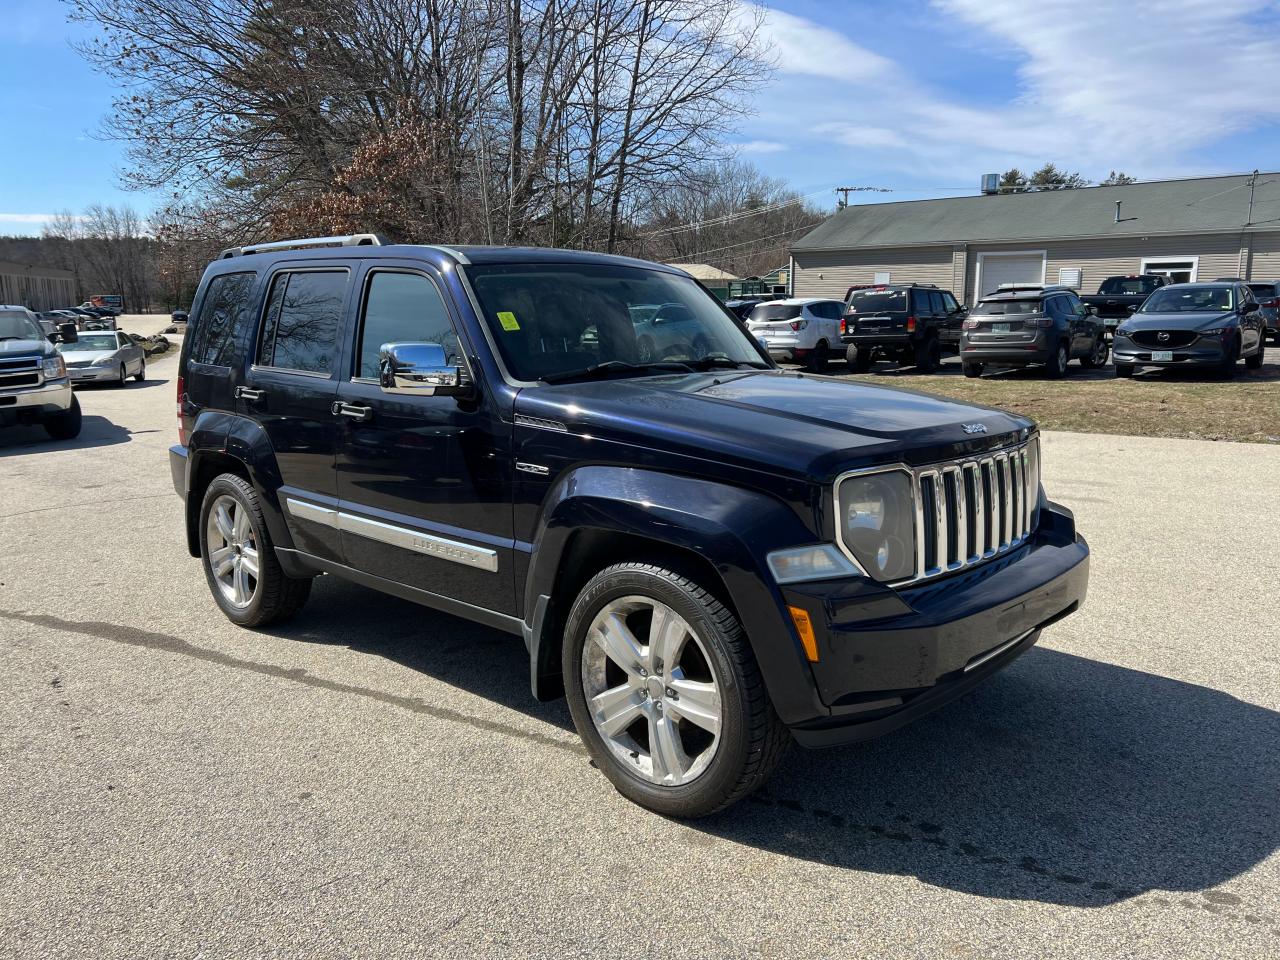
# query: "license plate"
[[1000, 328], [1162, 356]]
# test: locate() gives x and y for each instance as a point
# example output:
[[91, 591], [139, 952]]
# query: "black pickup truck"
[[1118, 297], [709, 556]]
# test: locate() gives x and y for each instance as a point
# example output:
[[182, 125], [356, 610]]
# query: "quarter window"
[[304, 312], [403, 308], [225, 303]]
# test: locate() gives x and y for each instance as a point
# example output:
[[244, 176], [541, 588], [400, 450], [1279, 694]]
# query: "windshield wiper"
[[613, 366], [16, 338], [708, 363]]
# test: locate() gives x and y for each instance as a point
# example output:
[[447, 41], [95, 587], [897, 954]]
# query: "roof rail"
[[353, 240]]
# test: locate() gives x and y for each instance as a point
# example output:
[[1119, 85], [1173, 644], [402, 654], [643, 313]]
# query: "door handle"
[[355, 411], [245, 393]]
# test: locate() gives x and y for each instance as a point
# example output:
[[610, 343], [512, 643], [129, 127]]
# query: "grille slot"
[[1173, 338], [8, 381], [972, 510]]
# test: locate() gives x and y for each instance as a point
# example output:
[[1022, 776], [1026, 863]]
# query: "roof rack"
[[353, 240]]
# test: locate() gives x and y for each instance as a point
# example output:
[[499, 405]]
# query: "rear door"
[[424, 482], [289, 390], [951, 319]]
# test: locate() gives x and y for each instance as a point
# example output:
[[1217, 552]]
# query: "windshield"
[[999, 308], [1127, 285], [18, 326], [774, 311], [90, 341], [877, 301], [1189, 300], [557, 319]]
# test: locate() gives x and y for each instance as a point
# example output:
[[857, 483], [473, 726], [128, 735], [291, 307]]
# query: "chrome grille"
[[973, 509], [1163, 339], [20, 372]]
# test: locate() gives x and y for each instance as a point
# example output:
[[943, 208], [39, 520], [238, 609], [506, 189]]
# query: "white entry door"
[[997, 268]]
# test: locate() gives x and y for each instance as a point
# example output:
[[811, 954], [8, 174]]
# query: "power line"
[[730, 217], [747, 243]]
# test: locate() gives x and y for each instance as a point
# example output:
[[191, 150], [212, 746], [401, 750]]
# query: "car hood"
[[774, 420], [1179, 321], [17, 348], [79, 356]]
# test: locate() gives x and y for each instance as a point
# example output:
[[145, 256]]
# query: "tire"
[[645, 350], [65, 425], [141, 375], [1097, 356], [1124, 369], [928, 355], [713, 658], [817, 361], [859, 359], [1057, 365], [124, 376], [272, 597], [971, 370], [1227, 368], [1254, 362]]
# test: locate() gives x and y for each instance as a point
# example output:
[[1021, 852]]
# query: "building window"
[[1174, 269]]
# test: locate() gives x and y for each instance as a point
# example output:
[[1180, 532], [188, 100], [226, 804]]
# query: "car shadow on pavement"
[[486, 662], [94, 432], [1063, 780]]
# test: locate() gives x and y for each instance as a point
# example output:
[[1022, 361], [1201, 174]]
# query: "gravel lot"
[[374, 780]]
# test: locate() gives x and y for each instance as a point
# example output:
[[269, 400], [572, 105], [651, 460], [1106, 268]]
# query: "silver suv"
[[34, 387]]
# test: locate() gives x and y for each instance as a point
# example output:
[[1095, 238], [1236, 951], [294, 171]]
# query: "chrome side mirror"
[[419, 369]]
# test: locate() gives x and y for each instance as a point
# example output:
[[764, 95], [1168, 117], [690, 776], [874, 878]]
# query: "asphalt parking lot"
[[373, 779]]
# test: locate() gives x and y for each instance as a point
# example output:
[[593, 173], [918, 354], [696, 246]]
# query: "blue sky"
[[918, 96]]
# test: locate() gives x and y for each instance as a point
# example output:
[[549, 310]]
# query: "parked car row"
[[1019, 325], [85, 318]]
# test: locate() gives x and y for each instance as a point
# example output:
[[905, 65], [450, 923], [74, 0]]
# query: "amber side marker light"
[[804, 627]]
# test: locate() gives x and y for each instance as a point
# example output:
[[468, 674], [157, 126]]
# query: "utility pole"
[[845, 191], [1253, 182]]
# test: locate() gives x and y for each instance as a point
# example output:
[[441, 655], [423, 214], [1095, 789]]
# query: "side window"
[[124, 339], [304, 312], [403, 308], [935, 301], [224, 306], [949, 304]]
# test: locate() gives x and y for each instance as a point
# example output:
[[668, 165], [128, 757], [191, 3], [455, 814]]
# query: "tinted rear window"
[[1264, 291], [877, 301], [304, 312], [999, 308], [225, 305], [775, 311], [1114, 286]]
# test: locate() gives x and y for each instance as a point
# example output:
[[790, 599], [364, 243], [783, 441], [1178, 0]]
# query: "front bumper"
[[888, 657], [91, 374], [32, 403], [1204, 351]]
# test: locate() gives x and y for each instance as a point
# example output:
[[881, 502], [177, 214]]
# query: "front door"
[[423, 481], [288, 390]]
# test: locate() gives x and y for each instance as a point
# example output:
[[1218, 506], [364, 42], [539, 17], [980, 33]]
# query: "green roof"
[[1200, 205]]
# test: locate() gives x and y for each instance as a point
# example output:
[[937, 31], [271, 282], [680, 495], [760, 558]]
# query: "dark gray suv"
[[1021, 325]]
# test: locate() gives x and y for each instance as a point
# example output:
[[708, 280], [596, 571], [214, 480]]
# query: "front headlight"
[[876, 517], [55, 368], [107, 361], [1123, 331], [1213, 331]]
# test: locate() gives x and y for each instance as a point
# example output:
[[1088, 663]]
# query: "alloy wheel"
[[651, 690], [233, 551]]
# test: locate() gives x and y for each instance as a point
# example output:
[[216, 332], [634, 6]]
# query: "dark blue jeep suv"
[[707, 555]]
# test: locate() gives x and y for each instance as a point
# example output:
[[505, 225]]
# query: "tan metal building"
[[38, 288], [1191, 229]]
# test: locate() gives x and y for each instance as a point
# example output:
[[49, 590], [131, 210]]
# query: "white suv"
[[801, 329]]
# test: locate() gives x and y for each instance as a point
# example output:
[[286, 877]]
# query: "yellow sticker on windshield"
[[508, 320]]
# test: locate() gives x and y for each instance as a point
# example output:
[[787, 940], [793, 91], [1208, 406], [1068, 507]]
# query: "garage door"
[[995, 269]]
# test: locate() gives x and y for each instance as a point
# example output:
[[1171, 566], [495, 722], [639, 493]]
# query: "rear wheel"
[[665, 692], [141, 375], [859, 359], [239, 559], [1057, 365], [65, 425], [817, 362], [928, 355], [971, 370]]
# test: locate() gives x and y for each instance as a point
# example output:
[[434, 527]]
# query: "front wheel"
[[124, 376], [817, 362], [1097, 356], [971, 369], [665, 692], [239, 559], [1255, 360], [1124, 369], [64, 425]]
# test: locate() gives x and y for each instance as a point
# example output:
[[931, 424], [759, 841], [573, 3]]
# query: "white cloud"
[[1100, 84], [37, 218], [762, 146]]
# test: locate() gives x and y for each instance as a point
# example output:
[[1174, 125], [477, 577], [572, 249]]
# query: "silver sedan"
[[104, 355]]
